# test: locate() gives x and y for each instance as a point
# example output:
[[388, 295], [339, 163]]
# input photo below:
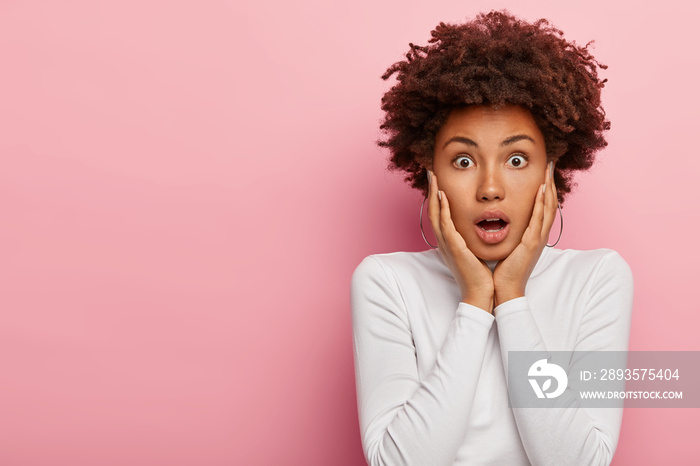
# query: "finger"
[[453, 240], [551, 203], [533, 231], [434, 207]]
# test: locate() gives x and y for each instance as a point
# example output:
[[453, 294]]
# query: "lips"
[[492, 226]]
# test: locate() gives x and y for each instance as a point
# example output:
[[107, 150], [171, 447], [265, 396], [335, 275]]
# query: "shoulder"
[[594, 275], [381, 284], [398, 263], [594, 262], [407, 271]]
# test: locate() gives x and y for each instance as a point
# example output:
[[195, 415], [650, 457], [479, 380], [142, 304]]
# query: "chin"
[[491, 257], [493, 253]]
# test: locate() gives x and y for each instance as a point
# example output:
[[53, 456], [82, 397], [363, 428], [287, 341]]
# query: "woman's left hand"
[[511, 274]]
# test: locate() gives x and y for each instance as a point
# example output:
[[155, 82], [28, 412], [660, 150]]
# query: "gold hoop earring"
[[421, 225], [561, 227]]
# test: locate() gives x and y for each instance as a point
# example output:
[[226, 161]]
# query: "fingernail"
[[430, 177], [440, 195], [551, 169], [544, 186]]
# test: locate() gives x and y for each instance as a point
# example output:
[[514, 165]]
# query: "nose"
[[490, 185]]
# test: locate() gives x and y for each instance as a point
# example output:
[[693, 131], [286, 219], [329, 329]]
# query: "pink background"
[[186, 188]]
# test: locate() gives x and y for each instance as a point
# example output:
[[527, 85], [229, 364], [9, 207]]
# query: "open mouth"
[[492, 224]]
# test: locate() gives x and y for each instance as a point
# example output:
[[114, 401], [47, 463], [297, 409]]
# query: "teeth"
[[485, 228]]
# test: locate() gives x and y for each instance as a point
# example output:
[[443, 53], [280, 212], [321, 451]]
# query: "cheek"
[[461, 198], [526, 201]]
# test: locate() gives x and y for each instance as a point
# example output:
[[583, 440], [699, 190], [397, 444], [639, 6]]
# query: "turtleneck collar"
[[491, 264], [541, 262]]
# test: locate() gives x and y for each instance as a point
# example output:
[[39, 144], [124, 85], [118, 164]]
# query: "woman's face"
[[490, 163]]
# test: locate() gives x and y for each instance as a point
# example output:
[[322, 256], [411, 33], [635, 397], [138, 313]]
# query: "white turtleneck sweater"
[[431, 370]]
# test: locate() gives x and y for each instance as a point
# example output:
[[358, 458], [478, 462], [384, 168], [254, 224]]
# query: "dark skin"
[[490, 159]]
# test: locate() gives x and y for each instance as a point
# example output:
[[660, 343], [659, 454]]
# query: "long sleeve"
[[405, 420], [569, 433]]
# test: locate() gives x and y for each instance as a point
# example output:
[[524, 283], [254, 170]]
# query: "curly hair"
[[496, 59]]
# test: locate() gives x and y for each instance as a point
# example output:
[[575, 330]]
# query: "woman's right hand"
[[473, 276]]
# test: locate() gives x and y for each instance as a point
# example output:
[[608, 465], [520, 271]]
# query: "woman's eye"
[[517, 161], [463, 162]]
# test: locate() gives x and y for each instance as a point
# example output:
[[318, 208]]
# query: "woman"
[[489, 121]]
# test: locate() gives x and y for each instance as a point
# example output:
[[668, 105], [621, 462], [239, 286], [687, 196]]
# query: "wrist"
[[482, 299], [503, 295]]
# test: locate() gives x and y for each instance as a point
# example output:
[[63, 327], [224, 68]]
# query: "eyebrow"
[[505, 142]]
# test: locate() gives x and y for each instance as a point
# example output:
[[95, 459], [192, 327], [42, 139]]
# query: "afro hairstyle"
[[495, 59]]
